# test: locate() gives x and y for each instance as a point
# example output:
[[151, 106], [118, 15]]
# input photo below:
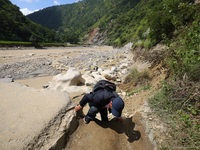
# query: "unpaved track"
[[110, 135]]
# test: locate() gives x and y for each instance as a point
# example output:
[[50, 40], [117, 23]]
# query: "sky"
[[30, 6]]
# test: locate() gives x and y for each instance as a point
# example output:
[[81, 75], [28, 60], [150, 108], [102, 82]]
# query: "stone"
[[150, 119], [114, 69], [98, 77], [119, 80], [71, 82], [30, 116], [123, 66], [89, 80], [72, 77], [31, 54], [45, 86], [109, 74], [124, 71], [123, 93], [100, 70], [6, 80]]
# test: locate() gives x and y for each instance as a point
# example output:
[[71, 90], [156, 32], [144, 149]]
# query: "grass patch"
[[178, 105], [136, 76], [138, 89], [137, 81], [21, 44]]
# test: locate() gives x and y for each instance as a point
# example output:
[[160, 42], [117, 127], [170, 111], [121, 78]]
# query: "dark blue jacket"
[[97, 98]]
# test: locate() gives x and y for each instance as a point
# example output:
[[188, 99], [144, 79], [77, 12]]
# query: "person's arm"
[[86, 98], [77, 108]]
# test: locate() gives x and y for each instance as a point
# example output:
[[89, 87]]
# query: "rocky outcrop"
[[92, 34], [69, 82], [94, 37], [34, 119]]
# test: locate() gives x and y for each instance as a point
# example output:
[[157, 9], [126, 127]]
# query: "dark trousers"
[[94, 110]]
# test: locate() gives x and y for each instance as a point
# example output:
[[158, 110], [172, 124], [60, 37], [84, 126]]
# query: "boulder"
[[30, 116], [114, 69], [77, 89], [95, 73], [98, 77], [123, 66], [72, 77], [6, 80], [124, 71], [100, 70], [89, 80], [69, 82], [109, 74]]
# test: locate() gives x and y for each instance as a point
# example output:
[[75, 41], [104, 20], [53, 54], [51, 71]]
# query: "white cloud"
[[56, 2], [25, 11]]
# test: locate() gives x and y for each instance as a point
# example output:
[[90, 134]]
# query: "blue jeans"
[[94, 109]]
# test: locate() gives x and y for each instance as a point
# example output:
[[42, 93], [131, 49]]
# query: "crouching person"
[[98, 103]]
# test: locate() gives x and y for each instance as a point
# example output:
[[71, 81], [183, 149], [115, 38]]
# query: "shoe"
[[86, 120]]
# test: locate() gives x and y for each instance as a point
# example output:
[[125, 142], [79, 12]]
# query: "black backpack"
[[107, 86]]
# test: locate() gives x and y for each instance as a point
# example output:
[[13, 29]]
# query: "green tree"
[[36, 39]]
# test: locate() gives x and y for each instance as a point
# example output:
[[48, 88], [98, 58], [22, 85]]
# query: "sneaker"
[[86, 120]]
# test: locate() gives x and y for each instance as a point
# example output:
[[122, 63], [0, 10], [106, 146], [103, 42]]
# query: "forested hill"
[[77, 15], [14, 26], [78, 18]]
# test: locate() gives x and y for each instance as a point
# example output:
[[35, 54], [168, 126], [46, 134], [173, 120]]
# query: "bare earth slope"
[[110, 135]]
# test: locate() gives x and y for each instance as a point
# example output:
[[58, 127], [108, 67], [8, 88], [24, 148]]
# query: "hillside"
[[79, 18], [14, 26], [76, 17]]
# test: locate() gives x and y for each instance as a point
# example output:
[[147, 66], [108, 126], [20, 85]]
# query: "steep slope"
[[16, 27], [129, 24], [121, 20], [76, 17]]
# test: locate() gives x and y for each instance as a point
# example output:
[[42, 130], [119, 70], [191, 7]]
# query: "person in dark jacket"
[[97, 104]]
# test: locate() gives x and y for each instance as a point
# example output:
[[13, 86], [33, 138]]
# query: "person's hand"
[[121, 120], [77, 108]]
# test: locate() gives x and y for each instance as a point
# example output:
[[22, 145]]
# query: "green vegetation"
[[139, 79], [178, 105], [14, 26], [73, 18], [123, 21], [136, 76], [28, 44], [176, 23], [139, 89]]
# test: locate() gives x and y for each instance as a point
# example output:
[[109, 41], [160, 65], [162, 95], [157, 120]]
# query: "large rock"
[[72, 77], [34, 119], [109, 74], [123, 66], [6, 80], [98, 77], [89, 80], [69, 82]]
